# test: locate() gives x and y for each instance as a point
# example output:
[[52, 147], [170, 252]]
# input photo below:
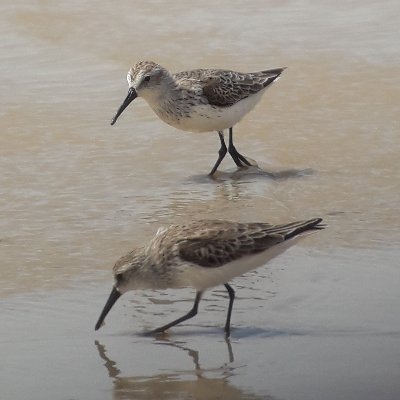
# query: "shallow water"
[[76, 193]]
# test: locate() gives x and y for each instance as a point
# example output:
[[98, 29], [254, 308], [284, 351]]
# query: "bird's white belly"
[[202, 278], [207, 118]]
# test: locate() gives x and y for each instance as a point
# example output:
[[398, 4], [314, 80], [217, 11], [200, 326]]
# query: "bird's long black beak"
[[114, 296], [129, 98]]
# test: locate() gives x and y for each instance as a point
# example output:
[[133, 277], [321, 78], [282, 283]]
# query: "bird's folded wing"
[[226, 90], [217, 252]]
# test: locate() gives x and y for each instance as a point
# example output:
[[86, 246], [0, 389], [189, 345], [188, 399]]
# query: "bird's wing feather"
[[225, 88], [216, 251], [216, 247]]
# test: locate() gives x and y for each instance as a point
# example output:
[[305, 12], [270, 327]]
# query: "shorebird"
[[202, 254], [200, 100]]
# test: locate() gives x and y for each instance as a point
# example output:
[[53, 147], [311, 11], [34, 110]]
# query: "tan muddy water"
[[320, 322]]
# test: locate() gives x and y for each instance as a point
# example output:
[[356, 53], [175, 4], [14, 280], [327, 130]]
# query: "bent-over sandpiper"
[[202, 254]]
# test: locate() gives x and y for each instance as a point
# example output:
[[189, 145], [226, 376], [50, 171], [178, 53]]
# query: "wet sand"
[[76, 193]]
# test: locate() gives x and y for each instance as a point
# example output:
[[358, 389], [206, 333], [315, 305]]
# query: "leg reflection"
[[171, 383]]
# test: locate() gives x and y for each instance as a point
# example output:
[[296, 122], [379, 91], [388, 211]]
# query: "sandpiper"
[[202, 254], [200, 100]]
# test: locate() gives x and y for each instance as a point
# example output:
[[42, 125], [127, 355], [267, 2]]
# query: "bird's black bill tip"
[[129, 98], [114, 296]]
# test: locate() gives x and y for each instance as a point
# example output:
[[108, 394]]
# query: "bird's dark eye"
[[118, 278], [146, 78]]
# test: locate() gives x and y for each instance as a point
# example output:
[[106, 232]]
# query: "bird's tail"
[[289, 231], [271, 75]]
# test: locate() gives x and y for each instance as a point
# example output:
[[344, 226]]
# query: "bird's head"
[[125, 272], [145, 80]]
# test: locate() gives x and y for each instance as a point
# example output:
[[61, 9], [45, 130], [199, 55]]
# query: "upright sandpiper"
[[202, 254], [200, 100]]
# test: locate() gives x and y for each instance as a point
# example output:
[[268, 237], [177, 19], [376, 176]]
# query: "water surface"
[[76, 193]]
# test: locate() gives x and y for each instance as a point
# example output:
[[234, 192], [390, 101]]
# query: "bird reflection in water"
[[199, 383]]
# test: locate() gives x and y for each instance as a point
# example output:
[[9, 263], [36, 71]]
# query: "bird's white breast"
[[207, 118]]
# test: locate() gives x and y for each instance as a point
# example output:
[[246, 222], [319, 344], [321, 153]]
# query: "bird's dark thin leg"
[[236, 156], [189, 315], [221, 152], [231, 293]]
